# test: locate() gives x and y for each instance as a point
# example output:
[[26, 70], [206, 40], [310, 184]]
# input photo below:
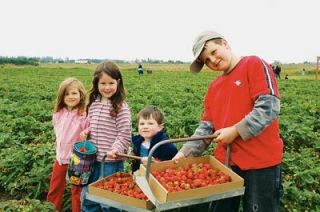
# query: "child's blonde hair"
[[151, 111], [59, 102]]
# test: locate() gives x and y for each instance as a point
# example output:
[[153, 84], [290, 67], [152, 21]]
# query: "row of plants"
[[27, 140]]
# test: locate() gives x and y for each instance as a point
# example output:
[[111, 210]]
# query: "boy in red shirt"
[[241, 108]]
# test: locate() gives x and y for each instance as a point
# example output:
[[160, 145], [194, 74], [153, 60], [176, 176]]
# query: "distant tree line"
[[155, 61], [22, 60], [49, 59], [19, 61]]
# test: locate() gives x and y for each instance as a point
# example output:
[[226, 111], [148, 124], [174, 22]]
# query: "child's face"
[[216, 56], [107, 86], [72, 97], [148, 127]]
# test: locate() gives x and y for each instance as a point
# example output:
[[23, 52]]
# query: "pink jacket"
[[67, 127]]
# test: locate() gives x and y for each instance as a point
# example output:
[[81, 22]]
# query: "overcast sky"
[[283, 30]]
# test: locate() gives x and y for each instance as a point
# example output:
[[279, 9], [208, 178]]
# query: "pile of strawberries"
[[122, 183], [193, 176], [82, 149]]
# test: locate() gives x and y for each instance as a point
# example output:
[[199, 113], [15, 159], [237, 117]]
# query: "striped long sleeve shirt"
[[109, 133]]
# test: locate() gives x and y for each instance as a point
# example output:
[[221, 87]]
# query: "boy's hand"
[[83, 135], [209, 140], [178, 156], [226, 135], [112, 154]]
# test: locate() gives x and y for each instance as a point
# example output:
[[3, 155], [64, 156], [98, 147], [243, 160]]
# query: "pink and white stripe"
[[109, 133]]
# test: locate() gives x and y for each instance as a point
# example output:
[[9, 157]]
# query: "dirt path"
[[5, 196]]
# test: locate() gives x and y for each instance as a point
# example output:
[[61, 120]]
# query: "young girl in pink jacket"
[[69, 119]]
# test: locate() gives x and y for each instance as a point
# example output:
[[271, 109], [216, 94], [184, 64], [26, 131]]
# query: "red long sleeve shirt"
[[229, 99]]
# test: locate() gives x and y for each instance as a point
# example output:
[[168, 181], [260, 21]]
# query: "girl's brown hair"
[[113, 71], [59, 102]]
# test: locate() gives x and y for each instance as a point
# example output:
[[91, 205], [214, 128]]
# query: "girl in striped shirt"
[[110, 124]]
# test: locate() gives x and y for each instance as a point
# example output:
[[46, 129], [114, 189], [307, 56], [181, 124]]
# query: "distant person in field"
[[241, 108], [303, 71], [110, 125], [286, 77], [140, 69], [69, 120], [272, 67], [277, 70], [151, 132]]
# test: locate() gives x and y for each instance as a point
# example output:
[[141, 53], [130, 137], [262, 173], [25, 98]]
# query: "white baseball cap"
[[197, 48]]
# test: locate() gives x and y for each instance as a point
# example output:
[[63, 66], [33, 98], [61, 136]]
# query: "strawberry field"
[[27, 148]]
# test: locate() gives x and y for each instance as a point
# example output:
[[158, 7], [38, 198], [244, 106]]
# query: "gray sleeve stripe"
[[269, 81], [196, 148]]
